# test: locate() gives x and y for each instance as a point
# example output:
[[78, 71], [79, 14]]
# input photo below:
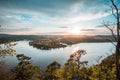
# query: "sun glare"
[[75, 31], [75, 49]]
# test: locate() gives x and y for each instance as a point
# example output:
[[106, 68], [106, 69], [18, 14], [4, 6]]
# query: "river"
[[44, 57]]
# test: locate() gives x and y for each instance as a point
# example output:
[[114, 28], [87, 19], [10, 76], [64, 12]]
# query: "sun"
[[75, 31]]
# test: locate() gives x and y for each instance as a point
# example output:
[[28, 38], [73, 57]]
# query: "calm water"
[[44, 57]]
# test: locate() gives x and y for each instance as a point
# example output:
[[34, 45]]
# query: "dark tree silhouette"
[[116, 13], [50, 71], [74, 61], [75, 58], [25, 70]]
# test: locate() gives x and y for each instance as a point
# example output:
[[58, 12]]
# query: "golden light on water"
[[75, 49]]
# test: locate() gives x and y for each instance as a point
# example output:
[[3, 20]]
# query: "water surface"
[[44, 57]]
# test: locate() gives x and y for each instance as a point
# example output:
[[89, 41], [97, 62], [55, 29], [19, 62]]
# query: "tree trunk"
[[117, 56]]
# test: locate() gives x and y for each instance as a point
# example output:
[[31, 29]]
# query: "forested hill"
[[78, 38]]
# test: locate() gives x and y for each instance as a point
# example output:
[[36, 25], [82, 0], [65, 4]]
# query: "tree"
[[116, 13], [75, 58], [104, 70], [50, 71], [66, 72], [74, 66], [4, 71], [25, 70], [7, 49]]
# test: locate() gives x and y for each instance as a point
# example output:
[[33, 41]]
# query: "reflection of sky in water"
[[44, 57]]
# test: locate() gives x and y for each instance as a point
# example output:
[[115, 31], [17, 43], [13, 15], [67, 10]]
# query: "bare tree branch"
[[111, 42], [117, 52], [111, 30], [113, 12]]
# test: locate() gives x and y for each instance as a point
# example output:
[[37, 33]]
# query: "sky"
[[37, 17]]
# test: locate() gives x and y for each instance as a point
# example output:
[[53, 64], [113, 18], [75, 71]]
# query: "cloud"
[[100, 31], [24, 14], [87, 29], [63, 27], [18, 31], [54, 8]]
